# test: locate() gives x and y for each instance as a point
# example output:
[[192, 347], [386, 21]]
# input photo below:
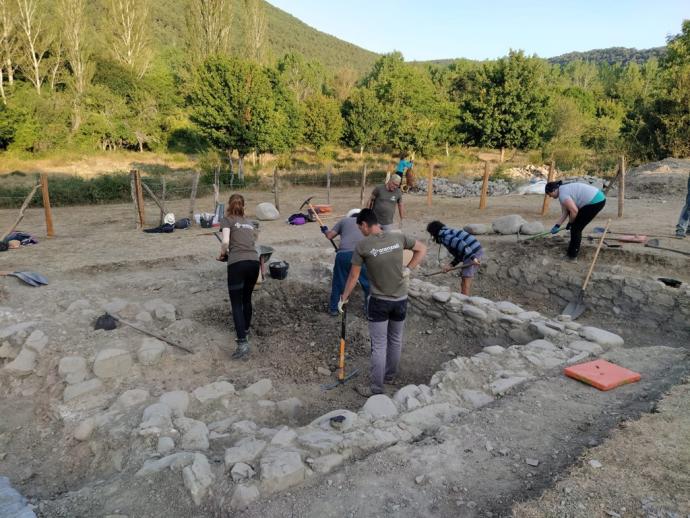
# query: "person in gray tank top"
[[580, 203], [350, 235]]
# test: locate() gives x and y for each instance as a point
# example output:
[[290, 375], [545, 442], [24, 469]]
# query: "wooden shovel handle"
[[596, 254]]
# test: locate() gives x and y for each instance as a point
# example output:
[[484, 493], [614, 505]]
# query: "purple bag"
[[297, 219]]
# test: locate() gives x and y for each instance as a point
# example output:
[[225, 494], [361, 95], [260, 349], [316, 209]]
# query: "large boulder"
[[267, 212], [508, 224], [530, 229], [478, 229], [379, 406], [112, 363]]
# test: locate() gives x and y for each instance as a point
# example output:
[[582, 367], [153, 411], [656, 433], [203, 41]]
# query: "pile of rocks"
[[527, 173], [506, 225], [444, 187]]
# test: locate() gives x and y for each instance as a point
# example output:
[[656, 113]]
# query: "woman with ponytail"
[[238, 248], [580, 203]]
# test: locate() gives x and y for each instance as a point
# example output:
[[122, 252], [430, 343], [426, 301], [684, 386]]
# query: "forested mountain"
[[611, 56], [285, 33]]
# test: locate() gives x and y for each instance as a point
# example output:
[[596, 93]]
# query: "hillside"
[[611, 55], [285, 34]]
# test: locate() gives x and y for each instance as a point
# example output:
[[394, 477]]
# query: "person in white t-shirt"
[[580, 203]]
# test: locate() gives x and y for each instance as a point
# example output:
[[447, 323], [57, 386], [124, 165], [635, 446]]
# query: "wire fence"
[[68, 190]]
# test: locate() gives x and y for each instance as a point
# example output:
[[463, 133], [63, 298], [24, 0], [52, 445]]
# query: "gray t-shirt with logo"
[[581, 193], [383, 256], [242, 239], [385, 202], [349, 234]]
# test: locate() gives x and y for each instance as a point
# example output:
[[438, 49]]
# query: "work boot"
[[242, 349], [680, 235], [365, 390]]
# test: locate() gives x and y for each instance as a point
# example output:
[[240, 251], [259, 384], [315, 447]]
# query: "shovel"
[[342, 377], [576, 307], [654, 243], [460, 267], [31, 278], [542, 234]]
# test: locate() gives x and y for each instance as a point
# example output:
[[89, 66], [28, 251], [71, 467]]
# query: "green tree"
[[506, 104], [365, 120], [323, 123], [234, 107]]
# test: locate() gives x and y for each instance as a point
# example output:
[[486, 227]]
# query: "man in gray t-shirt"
[[382, 254], [384, 199], [350, 235]]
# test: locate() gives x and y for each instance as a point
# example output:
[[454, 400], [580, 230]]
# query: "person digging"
[[384, 199], [465, 249], [238, 249], [350, 235], [382, 254], [580, 203]]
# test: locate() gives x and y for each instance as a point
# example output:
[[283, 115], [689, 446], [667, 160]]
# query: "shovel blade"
[[25, 278], [331, 386], [575, 308]]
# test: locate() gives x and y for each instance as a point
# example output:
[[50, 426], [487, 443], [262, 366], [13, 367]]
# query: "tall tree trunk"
[[10, 71], [2, 87], [240, 169], [503, 154], [361, 152], [254, 158], [232, 170], [447, 149]]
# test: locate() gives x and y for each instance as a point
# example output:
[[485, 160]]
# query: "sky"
[[484, 29]]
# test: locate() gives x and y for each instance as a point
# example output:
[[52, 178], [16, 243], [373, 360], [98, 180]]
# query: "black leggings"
[[584, 216], [241, 281]]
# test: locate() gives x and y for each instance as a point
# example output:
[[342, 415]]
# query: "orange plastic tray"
[[602, 374], [322, 209]]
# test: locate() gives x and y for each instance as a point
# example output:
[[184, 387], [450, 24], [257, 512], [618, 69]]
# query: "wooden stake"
[[363, 185], [328, 184], [276, 195], [139, 198], [27, 200], [135, 200], [216, 187], [485, 187], [621, 186], [164, 186], [192, 197], [430, 184], [155, 199], [547, 199], [46, 205]]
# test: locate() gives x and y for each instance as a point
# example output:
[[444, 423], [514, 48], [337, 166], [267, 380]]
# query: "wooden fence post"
[[547, 199], [135, 197], [276, 195], [430, 184], [363, 185], [163, 193], [328, 184], [216, 187], [621, 186], [485, 187], [46, 205], [140, 198], [192, 198]]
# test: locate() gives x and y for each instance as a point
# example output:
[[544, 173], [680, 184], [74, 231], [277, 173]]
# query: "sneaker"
[[571, 259], [680, 235], [242, 349], [333, 312], [365, 391], [389, 381]]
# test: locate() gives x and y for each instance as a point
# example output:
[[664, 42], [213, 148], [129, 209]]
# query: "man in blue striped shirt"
[[464, 247]]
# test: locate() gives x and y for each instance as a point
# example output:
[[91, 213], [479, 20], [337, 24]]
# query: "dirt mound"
[[664, 179]]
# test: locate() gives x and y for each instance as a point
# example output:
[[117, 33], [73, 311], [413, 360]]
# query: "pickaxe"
[[318, 219]]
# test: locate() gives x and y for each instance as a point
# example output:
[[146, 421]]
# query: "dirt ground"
[[98, 256]]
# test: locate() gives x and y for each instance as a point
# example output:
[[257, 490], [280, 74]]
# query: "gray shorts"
[[470, 271]]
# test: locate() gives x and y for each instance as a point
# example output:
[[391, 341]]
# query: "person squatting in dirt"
[[238, 249], [384, 199], [350, 235], [580, 203], [382, 254], [404, 169], [463, 246]]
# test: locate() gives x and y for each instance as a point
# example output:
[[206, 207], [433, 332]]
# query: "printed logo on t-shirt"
[[244, 225], [393, 198], [386, 249]]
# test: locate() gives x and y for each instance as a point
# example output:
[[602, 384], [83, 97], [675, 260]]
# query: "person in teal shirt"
[[404, 168]]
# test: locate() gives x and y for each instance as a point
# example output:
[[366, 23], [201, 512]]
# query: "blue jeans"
[[684, 219], [341, 269]]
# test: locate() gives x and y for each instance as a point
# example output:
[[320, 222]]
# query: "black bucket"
[[278, 270]]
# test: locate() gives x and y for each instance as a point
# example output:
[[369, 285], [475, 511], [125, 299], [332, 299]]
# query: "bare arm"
[[401, 210], [569, 209], [418, 253], [331, 234], [352, 280], [372, 199], [224, 244]]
